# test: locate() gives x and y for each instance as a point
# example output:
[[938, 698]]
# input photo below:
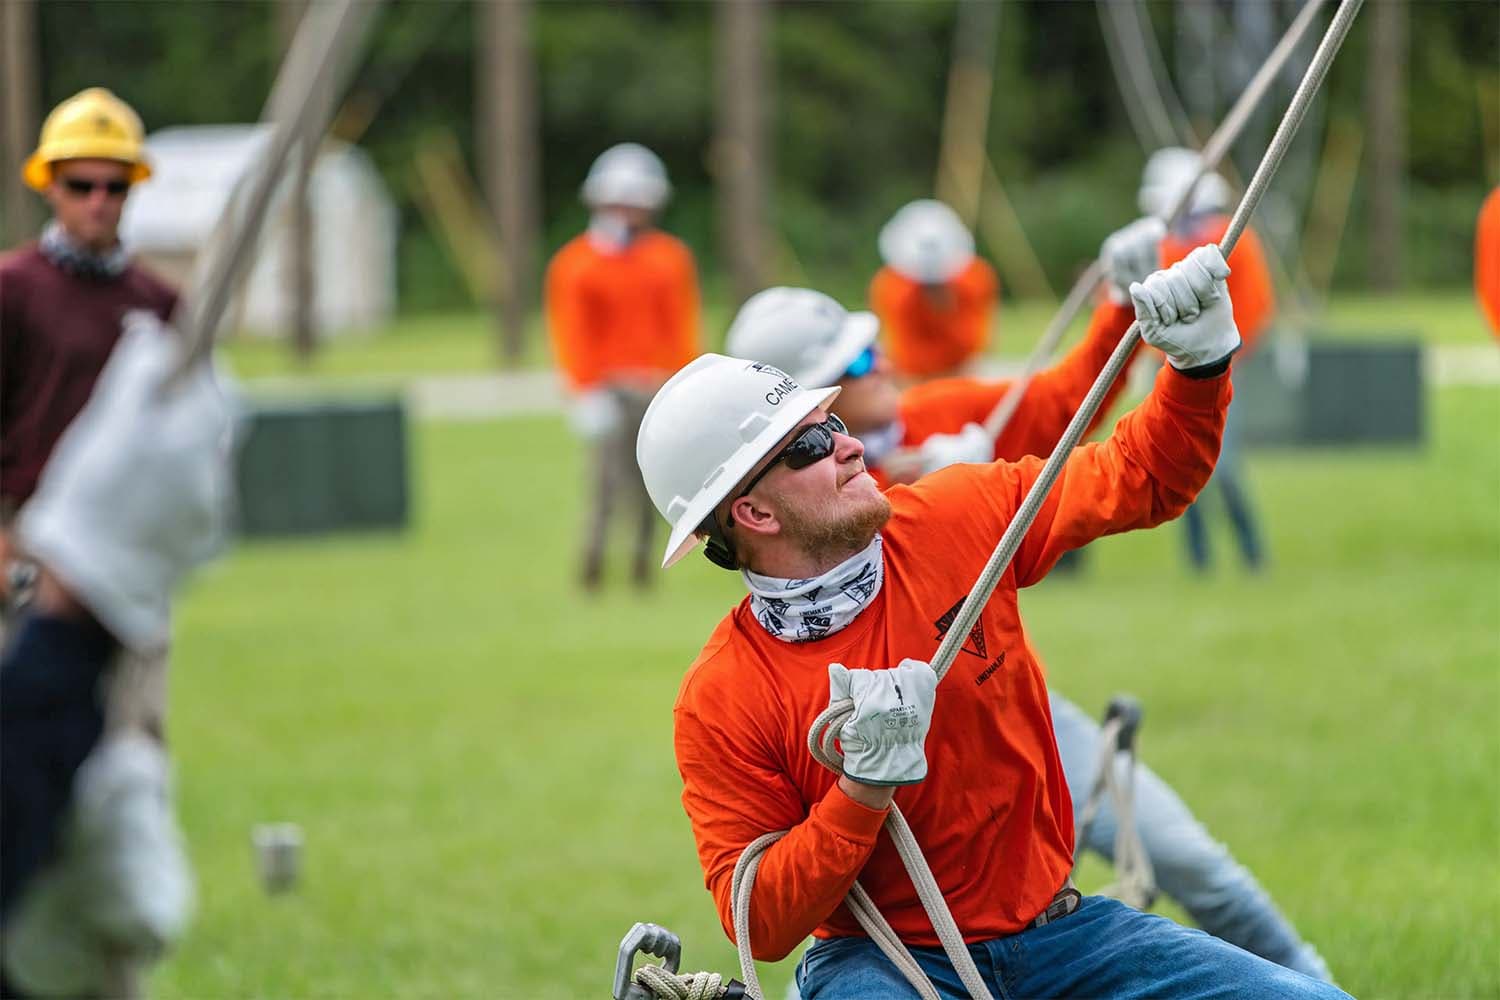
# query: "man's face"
[[870, 401], [830, 509], [87, 197]]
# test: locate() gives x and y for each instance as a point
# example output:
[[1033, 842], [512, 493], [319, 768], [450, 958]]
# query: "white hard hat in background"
[[1168, 173], [706, 429], [927, 242], [805, 333], [627, 174]]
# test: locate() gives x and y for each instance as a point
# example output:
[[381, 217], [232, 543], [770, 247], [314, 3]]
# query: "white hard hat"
[[804, 333], [1168, 173], [706, 429], [927, 242], [627, 174]]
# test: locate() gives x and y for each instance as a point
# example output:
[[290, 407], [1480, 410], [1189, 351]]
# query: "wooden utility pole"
[[18, 101], [509, 154], [742, 146], [300, 276], [1385, 108]]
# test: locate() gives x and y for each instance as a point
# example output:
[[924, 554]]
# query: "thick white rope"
[[299, 108], [1135, 879], [1137, 65], [1213, 152], [679, 986], [833, 718]]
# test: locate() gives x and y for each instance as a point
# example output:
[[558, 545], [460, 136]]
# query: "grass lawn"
[[467, 342], [481, 759]]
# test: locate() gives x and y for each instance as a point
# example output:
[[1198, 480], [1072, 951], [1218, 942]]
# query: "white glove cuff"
[[89, 567]]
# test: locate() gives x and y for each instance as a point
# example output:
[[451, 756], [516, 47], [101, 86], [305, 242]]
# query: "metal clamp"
[[1128, 710], [652, 940]]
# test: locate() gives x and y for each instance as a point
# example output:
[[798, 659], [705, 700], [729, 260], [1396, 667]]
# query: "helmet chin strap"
[[717, 547]]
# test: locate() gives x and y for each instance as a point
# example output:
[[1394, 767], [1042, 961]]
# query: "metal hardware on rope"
[[1135, 879], [299, 108], [833, 718], [663, 981], [1214, 150]]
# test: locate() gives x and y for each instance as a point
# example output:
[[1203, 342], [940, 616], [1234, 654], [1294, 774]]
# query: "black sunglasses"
[[814, 444], [84, 188]]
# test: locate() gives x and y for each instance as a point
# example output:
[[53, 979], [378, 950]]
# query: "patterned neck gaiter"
[[804, 610], [73, 259]]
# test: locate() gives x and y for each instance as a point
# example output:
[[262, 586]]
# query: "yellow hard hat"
[[91, 125]]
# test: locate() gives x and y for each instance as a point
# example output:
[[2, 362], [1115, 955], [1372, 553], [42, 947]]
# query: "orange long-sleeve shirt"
[[993, 816], [944, 406], [927, 336], [629, 312], [1487, 260], [1250, 290]]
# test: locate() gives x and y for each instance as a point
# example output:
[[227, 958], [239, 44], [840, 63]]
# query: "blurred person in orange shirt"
[[1487, 260], [1168, 173], [935, 298], [622, 312]]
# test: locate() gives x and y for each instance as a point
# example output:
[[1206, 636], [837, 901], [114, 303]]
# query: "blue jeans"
[[1229, 480], [1192, 868], [1102, 949]]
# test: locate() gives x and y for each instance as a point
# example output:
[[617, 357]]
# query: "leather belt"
[[1065, 902]]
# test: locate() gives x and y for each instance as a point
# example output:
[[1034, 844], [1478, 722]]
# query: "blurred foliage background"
[[857, 107]]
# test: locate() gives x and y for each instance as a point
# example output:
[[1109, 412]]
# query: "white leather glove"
[[137, 491], [1184, 311], [120, 884], [884, 740], [595, 415], [971, 444], [1130, 254]]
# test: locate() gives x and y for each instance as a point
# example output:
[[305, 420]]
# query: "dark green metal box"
[[309, 467]]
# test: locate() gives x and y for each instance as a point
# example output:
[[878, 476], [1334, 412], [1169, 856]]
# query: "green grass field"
[[466, 342], [481, 759]]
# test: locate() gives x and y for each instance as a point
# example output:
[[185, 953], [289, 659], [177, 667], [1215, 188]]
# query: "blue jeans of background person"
[[1192, 868], [1230, 482], [1102, 949]]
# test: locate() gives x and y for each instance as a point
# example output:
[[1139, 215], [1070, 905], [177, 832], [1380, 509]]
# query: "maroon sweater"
[[56, 332]]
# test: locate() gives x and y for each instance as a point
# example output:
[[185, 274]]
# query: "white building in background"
[[194, 169]]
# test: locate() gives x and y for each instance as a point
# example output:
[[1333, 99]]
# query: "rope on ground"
[[1214, 151], [830, 721]]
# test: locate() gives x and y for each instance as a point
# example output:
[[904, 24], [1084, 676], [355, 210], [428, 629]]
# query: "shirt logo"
[[975, 645]]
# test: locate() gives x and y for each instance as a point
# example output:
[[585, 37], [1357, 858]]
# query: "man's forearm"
[[804, 876], [869, 796]]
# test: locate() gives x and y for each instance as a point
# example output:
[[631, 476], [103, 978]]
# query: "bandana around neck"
[[58, 247], [804, 610], [611, 234]]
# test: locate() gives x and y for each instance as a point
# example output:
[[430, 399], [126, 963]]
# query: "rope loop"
[[680, 986]]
